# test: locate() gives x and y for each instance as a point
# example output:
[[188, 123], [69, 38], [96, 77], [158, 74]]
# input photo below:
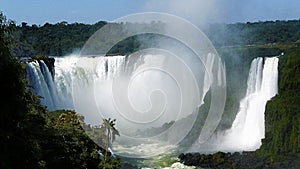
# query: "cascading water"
[[91, 76], [57, 91], [83, 77], [248, 128], [90, 81], [41, 80]]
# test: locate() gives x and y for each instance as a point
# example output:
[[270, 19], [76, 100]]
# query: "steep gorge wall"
[[282, 114]]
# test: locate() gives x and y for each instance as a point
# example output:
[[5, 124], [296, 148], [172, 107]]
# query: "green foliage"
[[281, 146], [63, 38], [283, 111], [74, 148], [54, 40], [111, 131], [39, 57], [30, 136], [22, 118], [217, 160], [237, 62], [258, 33], [108, 163]]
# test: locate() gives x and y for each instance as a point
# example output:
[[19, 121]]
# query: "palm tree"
[[111, 132]]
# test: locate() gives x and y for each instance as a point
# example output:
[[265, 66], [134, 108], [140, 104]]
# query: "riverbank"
[[245, 160]]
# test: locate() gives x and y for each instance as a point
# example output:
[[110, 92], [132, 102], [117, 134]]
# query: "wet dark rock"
[[246, 160], [50, 64], [129, 166]]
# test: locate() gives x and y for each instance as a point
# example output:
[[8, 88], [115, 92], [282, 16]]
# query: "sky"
[[196, 11]]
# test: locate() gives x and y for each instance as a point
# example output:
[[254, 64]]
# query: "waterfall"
[[248, 128], [85, 83], [90, 81], [57, 91], [41, 82]]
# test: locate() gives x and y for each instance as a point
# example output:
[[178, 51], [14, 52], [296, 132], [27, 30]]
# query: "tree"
[[109, 126], [22, 118], [111, 132], [74, 149], [30, 136]]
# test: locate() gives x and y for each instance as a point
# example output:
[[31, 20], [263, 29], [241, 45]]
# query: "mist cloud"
[[199, 12]]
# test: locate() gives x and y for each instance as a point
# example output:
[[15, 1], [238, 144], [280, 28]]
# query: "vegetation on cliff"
[[283, 112], [30, 136], [281, 146]]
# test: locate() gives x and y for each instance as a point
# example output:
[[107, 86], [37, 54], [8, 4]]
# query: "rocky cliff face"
[[282, 115], [50, 64], [281, 146]]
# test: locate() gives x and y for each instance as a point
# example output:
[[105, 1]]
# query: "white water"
[[58, 93], [248, 128], [90, 85], [176, 165], [84, 77], [42, 83]]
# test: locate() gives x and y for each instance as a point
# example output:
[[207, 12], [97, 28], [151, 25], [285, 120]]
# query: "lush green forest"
[[64, 38], [32, 137], [283, 112], [258, 33]]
